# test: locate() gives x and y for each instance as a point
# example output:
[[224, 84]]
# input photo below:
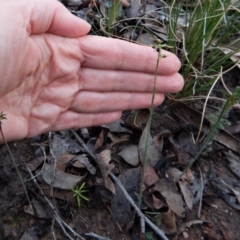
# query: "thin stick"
[[60, 222], [201, 193], [157, 230], [50, 135], [96, 236]]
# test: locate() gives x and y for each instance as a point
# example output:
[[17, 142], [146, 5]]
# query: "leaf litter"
[[172, 147]]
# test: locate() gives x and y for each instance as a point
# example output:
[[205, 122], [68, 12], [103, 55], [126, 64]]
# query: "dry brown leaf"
[[37, 209], [106, 167], [100, 141], [117, 127], [234, 163], [150, 176], [82, 160], [153, 152], [35, 163], [191, 116], [188, 185], [59, 179], [152, 201], [236, 193], [235, 57], [168, 222], [64, 195], [137, 119], [187, 225], [129, 152], [168, 189]]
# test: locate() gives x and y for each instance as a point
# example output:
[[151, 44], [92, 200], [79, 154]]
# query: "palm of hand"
[[59, 79]]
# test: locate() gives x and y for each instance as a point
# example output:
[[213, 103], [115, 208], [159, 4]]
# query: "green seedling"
[[78, 193], [150, 235]]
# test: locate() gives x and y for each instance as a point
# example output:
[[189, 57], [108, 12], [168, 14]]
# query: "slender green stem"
[[149, 127], [14, 162]]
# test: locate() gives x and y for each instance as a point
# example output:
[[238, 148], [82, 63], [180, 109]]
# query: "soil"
[[221, 221]]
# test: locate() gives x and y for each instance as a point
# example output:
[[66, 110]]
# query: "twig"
[[158, 231], [143, 218], [201, 193], [50, 136], [52, 230], [56, 216], [96, 236]]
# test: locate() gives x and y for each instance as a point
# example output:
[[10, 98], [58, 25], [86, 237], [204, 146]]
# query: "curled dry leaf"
[[83, 159], [152, 201], [117, 127], [169, 191], [129, 152], [133, 10], [100, 140], [187, 225], [234, 163], [37, 209], [64, 195], [137, 119], [59, 179], [150, 176], [106, 167], [191, 116], [35, 163], [115, 138], [62, 161], [236, 193], [184, 147], [153, 153], [168, 222], [62, 145], [189, 186], [159, 138]]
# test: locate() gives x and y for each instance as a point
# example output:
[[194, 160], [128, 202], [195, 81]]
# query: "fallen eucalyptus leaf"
[[58, 179], [168, 222], [129, 152], [153, 153], [106, 167], [137, 119], [168, 189], [234, 163], [83, 159], [117, 127], [37, 209]]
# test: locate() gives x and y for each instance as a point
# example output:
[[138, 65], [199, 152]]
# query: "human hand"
[[54, 77]]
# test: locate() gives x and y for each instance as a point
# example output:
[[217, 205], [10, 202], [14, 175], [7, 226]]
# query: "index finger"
[[114, 54]]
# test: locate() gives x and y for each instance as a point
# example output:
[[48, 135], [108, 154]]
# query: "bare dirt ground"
[[220, 216], [204, 204]]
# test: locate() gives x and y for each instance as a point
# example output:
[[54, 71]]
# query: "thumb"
[[52, 17]]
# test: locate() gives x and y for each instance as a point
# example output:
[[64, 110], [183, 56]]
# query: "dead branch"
[[143, 218]]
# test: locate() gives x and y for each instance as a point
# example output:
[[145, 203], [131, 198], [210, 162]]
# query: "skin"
[[54, 77]]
